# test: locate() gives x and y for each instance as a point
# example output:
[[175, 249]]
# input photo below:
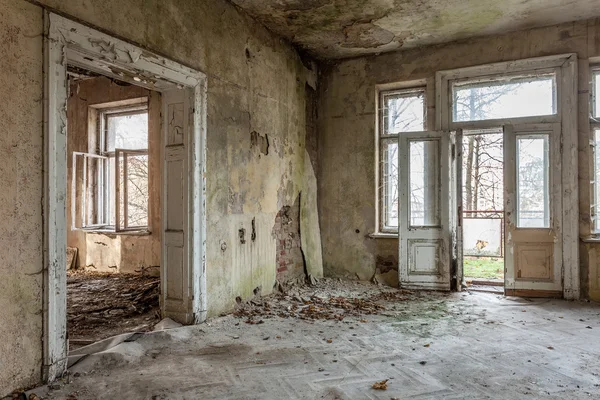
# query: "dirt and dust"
[[101, 305], [327, 299], [386, 345]]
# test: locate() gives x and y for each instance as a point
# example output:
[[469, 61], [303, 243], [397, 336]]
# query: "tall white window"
[[114, 178], [595, 141], [400, 111]]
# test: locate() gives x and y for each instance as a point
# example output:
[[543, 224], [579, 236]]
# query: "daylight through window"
[[401, 111], [595, 129], [115, 177], [505, 97]]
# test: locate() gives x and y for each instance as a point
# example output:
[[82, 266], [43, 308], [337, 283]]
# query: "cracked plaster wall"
[[347, 139], [21, 177], [349, 28], [256, 82]]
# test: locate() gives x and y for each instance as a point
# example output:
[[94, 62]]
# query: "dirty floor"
[[358, 337], [101, 305]]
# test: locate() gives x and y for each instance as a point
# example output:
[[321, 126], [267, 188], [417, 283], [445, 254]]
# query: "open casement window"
[[401, 111], [114, 183], [595, 143]]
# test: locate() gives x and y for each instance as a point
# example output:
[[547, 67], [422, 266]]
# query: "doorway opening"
[[483, 209], [179, 94], [113, 207]]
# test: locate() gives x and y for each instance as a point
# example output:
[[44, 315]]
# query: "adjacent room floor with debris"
[[352, 340], [101, 305]]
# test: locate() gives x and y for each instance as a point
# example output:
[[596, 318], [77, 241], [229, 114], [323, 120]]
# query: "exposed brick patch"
[[290, 263]]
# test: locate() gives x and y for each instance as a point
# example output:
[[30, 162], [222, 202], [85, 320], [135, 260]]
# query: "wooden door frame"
[[566, 67], [67, 42]]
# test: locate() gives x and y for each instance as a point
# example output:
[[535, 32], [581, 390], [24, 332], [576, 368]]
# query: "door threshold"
[[485, 289], [485, 282]]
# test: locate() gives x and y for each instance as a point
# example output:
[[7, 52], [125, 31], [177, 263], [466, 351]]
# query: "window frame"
[[383, 138], [548, 175], [101, 192], [566, 66], [508, 78], [594, 121], [559, 65]]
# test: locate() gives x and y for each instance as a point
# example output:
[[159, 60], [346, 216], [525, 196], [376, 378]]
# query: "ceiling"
[[332, 29]]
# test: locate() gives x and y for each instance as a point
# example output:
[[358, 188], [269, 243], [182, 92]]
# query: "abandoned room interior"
[[325, 199]]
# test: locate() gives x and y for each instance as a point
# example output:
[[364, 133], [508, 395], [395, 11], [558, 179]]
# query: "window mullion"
[[125, 191], [117, 191]]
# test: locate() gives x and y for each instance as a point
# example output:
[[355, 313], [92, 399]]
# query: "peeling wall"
[[347, 138], [110, 252], [256, 83], [290, 263], [348, 28], [21, 235]]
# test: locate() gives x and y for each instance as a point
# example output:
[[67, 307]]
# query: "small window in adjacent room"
[[400, 111], [115, 178], [504, 97], [595, 142]]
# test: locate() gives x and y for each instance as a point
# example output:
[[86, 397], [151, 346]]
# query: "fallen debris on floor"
[[101, 305], [319, 300], [382, 385]]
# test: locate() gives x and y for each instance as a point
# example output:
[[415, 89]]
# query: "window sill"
[[106, 232], [383, 235], [590, 239]]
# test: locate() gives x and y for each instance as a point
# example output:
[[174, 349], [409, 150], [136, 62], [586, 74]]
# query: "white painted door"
[[176, 282], [424, 219], [532, 184]]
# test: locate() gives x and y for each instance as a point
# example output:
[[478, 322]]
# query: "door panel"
[[176, 267], [424, 227], [533, 262]]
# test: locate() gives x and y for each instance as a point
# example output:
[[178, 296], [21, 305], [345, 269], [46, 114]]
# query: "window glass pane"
[[595, 210], [504, 98], [424, 180], [403, 112], [596, 89], [127, 132], [121, 178], [533, 201], [389, 157], [482, 171], [137, 190]]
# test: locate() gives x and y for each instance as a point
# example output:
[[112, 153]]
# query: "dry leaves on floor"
[[381, 385]]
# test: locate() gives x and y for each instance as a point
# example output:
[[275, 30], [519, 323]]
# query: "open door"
[[456, 208], [424, 219], [533, 236], [176, 273]]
